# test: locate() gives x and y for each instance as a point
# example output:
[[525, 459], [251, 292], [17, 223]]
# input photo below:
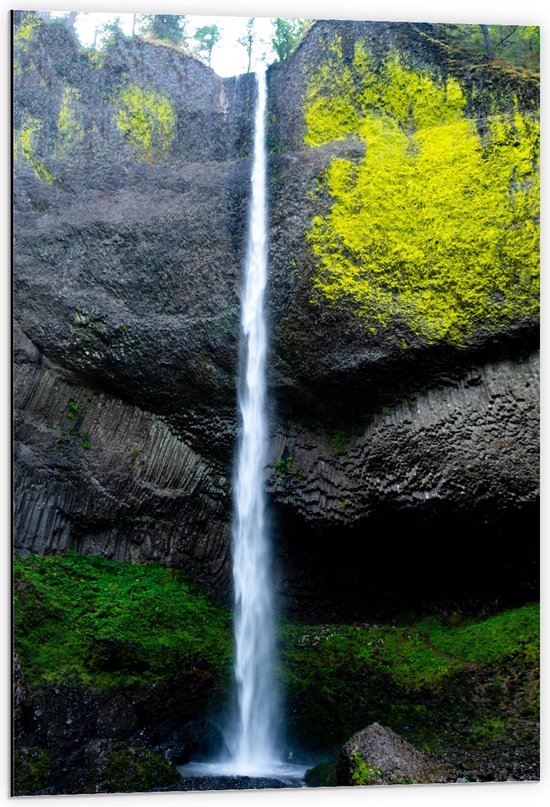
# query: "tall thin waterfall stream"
[[254, 743], [253, 737]]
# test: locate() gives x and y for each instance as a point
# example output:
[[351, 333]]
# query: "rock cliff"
[[131, 181]]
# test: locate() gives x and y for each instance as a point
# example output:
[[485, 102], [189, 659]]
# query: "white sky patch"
[[229, 57]]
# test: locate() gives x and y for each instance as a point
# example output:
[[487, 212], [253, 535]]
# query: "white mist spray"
[[254, 741]]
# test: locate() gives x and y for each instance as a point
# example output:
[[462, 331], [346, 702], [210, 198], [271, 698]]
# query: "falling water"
[[254, 742]]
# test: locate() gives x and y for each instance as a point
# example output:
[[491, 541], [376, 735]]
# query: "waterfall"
[[254, 739]]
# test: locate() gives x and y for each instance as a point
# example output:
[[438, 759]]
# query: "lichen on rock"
[[69, 128], [24, 146], [437, 226], [147, 121]]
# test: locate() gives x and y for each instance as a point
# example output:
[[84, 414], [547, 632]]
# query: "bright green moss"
[[69, 128], [24, 146], [147, 122], [82, 618], [341, 678], [435, 227], [512, 632]]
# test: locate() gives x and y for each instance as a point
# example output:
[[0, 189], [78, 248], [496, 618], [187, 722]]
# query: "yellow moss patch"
[[69, 128], [22, 36], [436, 226], [24, 147], [23, 33], [147, 121]]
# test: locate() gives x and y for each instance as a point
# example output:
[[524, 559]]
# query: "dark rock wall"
[[418, 507], [326, 352], [444, 444], [127, 269], [96, 474]]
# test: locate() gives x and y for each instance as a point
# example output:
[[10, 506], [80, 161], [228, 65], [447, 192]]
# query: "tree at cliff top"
[[108, 33], [165, 27], [247, 41], [286, 36], [207, 37], [437, 227]]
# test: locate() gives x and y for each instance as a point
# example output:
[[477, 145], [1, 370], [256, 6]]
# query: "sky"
[[229, 58]]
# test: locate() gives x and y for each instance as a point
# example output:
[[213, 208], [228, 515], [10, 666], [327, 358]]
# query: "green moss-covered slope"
[[437, 227], [465, 684], [415, 678], [84, 619]]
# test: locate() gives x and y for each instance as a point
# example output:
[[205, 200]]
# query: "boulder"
[[378, 756]]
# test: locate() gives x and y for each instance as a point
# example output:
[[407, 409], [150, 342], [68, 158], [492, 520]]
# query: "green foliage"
[[516, 44], [207, 37], [31, 771], [434, 227], [247, 41], [511, 632], [341, 678], [106, 36], [285, 468], [490, 730], [287, 34], [73, 410], [165, 27], [363, 774], [99, 622], [74, 435], [24, 29], [147, 121]]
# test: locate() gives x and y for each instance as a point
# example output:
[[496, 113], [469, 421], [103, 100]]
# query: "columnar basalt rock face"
[[445, 443], [99, 475], [131, 192]]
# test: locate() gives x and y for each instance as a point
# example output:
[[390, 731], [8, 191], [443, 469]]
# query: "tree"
[[207, 37], [108, 33], [165, 27], [247, 41], [488, 43], [286, 36], [518, 44]]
